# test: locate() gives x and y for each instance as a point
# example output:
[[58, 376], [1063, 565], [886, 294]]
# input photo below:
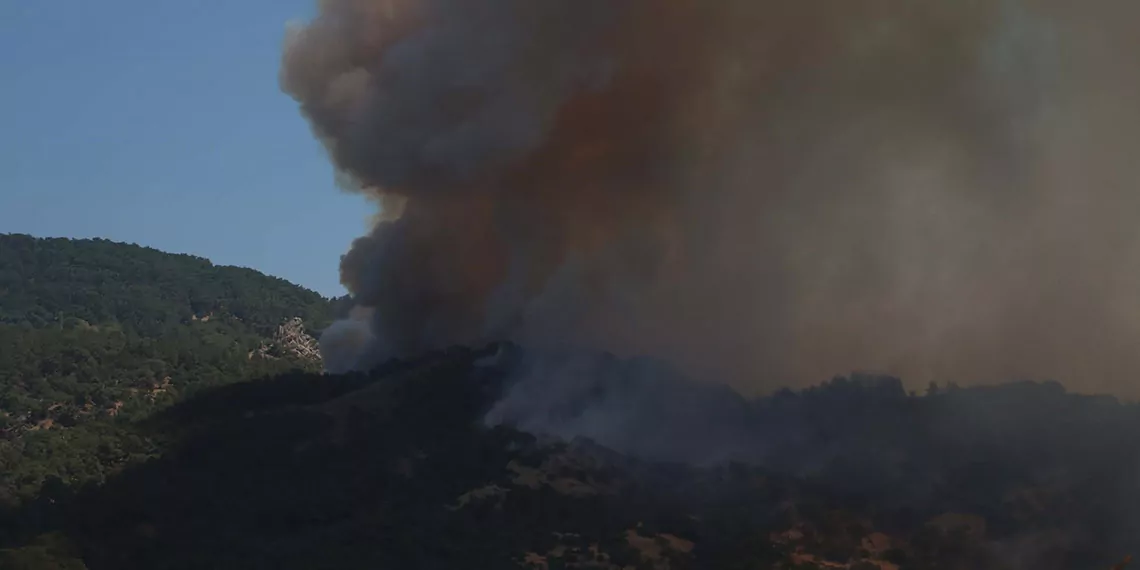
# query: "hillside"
[[57, 281], [94, 334], [397, 469], [159, 419]]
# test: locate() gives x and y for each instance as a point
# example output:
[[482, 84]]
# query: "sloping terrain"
[[399, 469], [95, 334], [195, 432], [50, 281]]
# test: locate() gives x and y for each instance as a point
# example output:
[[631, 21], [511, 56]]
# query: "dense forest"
[[95, 335], [50, 282], [152, 420]]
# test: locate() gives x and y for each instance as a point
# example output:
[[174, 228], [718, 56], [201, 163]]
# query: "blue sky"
[[161, 123]]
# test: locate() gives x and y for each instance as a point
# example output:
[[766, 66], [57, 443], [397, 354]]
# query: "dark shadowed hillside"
[[196, 433], [399, 469]]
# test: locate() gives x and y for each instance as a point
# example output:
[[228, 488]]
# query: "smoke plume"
[[764, 192]]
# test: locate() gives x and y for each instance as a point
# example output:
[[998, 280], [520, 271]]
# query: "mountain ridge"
[[99, 280], [507, 457]]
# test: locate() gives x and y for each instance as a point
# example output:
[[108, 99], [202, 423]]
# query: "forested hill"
[[95, 334], [157, 411], [46, 281]]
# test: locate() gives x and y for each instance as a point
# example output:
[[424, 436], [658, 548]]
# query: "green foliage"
[[47, 282], [87, 453], [66, 375], [95, 335]]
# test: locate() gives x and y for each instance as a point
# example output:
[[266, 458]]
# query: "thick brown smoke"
[[763, 191]]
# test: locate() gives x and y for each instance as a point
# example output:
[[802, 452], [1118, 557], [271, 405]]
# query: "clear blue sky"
[[161, 123]]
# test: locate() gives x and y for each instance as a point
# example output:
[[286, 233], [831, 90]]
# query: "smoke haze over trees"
[[394, 469], [421, 463]]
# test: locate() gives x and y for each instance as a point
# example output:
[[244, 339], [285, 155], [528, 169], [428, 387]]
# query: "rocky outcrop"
[[291, 341]]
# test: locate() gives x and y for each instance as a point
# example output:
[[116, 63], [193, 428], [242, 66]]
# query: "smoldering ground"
[[763, 192]]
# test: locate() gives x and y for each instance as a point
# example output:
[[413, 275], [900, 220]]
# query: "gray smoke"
[[764, 192]]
